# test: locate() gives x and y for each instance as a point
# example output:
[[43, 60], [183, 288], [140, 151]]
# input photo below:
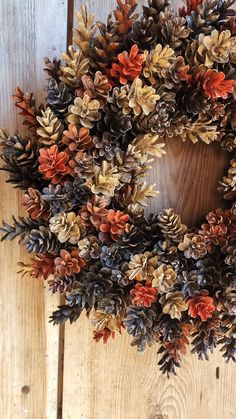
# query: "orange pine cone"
[[123, 15], [115, 224], [53, 164], [143, 295], [129, 67], [68, 263]]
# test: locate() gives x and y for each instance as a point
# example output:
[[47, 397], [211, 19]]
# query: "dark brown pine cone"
[[53, 68], [113, 302], [143, 34], [58, 98], [191, 101], [204, 21], [154, 8], [172, 29], [117, 123], [206, 336], [105, 148], [103, 47]]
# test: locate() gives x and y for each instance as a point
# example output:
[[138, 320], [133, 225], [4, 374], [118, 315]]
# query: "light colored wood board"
[[30, 30], [113, 381]]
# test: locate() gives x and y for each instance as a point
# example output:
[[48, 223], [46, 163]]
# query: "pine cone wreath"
[[121, 91]]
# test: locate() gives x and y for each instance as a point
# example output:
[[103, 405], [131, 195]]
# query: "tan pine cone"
[[89, 248], [84, 30], [103, 320], [215, 48], [193, 246], [104, 179], [171, 226], [67, 227], [142, 99], [158, 59], [173, 304], [75, 67], [230, 251], [51, 127], [164, 277], [85, 111], [142, 266]]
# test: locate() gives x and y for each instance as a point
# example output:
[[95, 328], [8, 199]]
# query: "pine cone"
[[164, 278], [113, 303], [112, 256], [94, 284], [67, 226], [142, 99], [20, 157], [26, 103], [84, 111], [41, 241], [129, 65], [94, 211], [119, 275], [68, 263], [124, 16], [143, 34], [139, 323], [154, 8], [85, 30], [228, 184], [173, 304], [105, 148], [113, 225], [77, 139], [142, 266], [35, 205], [76, 193], [214, 48], [89, 248], [104, 179], [55, 197], [158, 59], [171, 226], [97, 88], [104, 46], [53, 164], [172, 29], [193, 246], [58, 98], [191, 101], [230, 251], [53, 68], [52, 128], [65, 313], [203, 21], [117, 123], [76, 66], [59, 284]]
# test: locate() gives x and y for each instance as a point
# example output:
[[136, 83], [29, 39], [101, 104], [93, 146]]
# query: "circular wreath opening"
[[113, 101]]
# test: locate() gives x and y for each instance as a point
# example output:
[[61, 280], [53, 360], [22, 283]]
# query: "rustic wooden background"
[[47, 372]]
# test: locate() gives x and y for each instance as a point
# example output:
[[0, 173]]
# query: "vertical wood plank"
[[30, 30], [113, 381]]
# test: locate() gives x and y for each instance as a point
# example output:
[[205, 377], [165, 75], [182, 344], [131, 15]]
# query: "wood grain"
[[113, 381], [30, 30]]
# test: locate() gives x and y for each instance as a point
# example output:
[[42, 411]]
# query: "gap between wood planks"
[[70, 16]]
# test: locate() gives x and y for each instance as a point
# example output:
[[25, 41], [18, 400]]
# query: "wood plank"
[[113, 381], [30, 30]]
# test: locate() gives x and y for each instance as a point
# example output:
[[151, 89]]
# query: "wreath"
[[116, 97]]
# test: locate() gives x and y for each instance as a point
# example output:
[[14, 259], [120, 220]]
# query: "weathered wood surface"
[[98, 381], [30, 30]]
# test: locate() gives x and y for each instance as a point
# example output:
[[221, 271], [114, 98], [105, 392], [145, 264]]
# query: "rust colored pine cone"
[[35, 205], [68, 263]]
